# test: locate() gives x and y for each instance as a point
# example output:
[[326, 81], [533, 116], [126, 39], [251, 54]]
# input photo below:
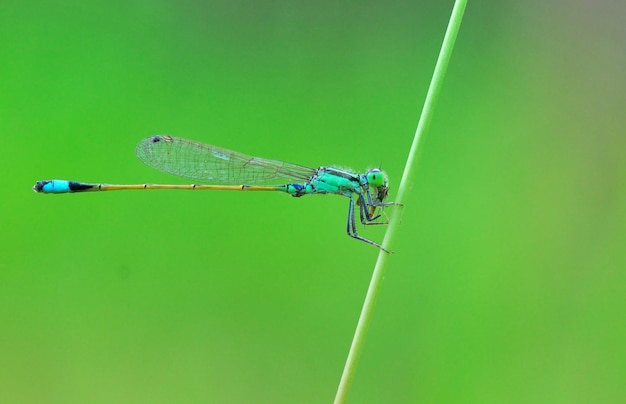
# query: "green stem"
[[407, 178]]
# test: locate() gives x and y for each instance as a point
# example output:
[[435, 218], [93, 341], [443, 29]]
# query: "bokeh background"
[[508, 283]]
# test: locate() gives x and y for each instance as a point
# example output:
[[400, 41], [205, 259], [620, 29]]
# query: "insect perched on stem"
[[223, 168]]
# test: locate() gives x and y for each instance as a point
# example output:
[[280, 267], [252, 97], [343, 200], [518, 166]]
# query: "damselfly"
[[222, 167]]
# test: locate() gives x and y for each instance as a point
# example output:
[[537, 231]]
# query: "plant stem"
[[407, 178]]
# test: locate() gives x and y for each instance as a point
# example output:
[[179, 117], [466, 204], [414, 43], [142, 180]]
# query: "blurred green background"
[[508, 281]]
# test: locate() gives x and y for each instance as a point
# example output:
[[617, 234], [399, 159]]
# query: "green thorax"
[[330, 180]]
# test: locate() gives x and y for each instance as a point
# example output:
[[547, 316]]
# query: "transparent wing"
[[211, 164]]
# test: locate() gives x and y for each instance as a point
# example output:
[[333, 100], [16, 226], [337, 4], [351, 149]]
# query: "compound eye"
[[376, 178]]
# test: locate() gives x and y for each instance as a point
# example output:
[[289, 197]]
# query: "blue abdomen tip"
[[52, 186]]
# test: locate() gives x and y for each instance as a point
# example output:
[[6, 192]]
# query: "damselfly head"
[[377, 180]]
